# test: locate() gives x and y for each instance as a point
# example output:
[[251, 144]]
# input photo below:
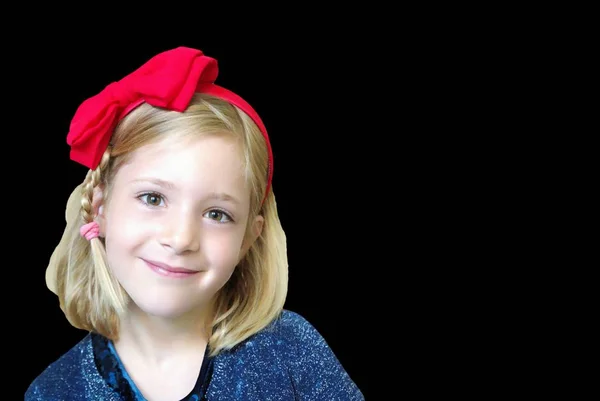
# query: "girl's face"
[[174, 227]]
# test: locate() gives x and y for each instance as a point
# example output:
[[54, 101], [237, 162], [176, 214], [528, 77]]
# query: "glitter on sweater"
[[288, 360]]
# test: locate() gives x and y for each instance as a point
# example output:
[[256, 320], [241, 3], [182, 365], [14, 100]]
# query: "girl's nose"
[[181, 233]]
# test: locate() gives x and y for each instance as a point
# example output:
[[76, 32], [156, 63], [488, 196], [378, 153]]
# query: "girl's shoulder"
[[289, 323], [67, 377], [294, 330], [290, 332], [289, 350]]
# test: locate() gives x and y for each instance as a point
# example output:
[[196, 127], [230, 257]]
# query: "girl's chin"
[[168, 309]]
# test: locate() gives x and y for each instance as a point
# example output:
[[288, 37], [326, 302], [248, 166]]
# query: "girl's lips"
[[169, 271]]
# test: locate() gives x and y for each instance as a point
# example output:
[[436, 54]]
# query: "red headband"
[[168, 80]]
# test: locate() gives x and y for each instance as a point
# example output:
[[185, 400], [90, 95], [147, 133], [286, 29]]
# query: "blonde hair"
[[91, 297]]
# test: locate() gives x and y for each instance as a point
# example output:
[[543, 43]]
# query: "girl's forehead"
[[210, 161]]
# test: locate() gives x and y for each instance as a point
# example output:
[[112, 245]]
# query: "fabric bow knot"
[[168, 80]]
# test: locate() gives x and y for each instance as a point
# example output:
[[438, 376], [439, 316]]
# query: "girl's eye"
[[219, 215], [155, 200], [151, 199]]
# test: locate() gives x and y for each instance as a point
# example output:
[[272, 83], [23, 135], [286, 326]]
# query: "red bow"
[[168, 80]]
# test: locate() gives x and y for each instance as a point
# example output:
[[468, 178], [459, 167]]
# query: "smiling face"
[[178, 204]]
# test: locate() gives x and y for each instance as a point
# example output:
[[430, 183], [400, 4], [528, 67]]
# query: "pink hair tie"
[[90, 230]]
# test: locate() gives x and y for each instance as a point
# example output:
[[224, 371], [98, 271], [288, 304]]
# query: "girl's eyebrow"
[[156, 181], [170, 186], [222, 197]]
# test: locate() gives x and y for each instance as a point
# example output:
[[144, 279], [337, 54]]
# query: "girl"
[[174, 259]]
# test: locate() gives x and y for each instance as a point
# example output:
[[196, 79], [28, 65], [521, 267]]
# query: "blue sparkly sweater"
[[288, 360]]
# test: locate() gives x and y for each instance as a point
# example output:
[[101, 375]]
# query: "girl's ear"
[[253, 234], [98, 208]]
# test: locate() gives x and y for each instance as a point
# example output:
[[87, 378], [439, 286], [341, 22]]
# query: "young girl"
[[174, 259]]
